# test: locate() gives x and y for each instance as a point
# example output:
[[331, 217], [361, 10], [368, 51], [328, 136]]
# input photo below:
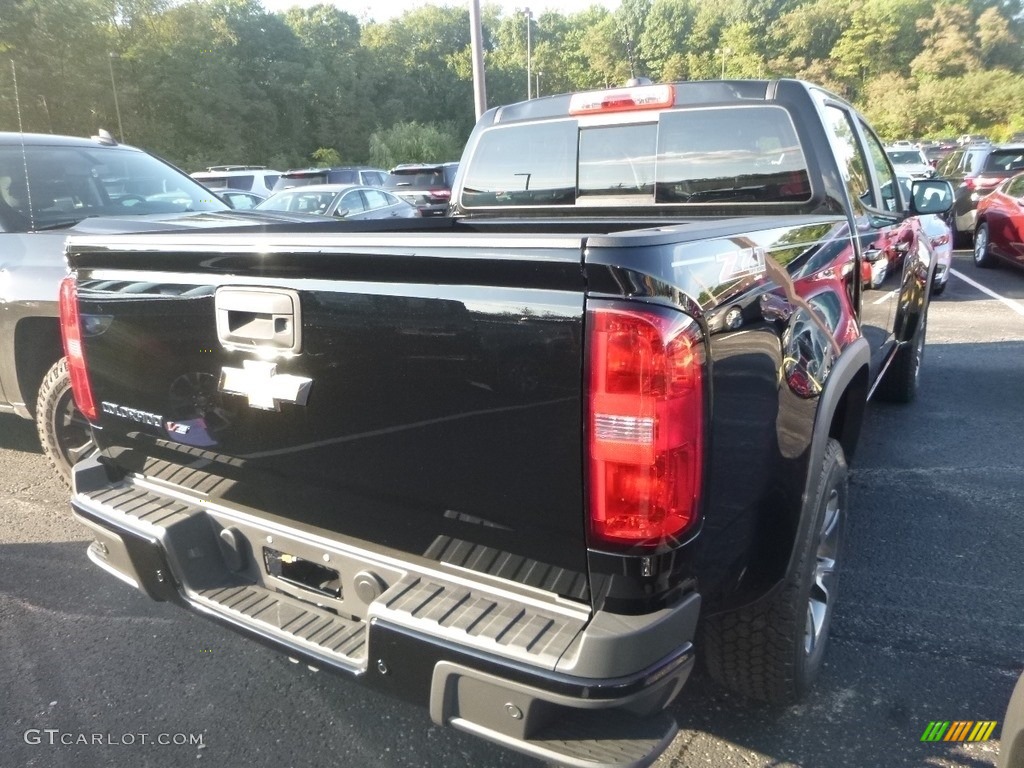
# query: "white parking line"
[[885, 297], [1014, 305]]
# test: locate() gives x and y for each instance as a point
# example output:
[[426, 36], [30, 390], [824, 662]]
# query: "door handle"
[[259, 319]]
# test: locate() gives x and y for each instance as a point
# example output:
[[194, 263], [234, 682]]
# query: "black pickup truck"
[[523, 464]]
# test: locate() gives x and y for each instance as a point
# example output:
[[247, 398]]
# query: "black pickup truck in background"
[[517, 464]]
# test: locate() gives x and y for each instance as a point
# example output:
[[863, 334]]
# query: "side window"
[[375, 199], [352, 203], [851, 159], [950, 163], [891, 193], [1016, 187]]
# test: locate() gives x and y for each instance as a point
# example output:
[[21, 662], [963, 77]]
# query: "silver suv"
[[248, 178]]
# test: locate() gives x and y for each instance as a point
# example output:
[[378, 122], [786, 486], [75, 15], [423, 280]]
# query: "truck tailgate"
[[422, 400]]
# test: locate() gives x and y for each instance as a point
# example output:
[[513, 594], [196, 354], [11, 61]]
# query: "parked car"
[[342, 200], [936, 152], [339, 174], [428, 186], [973, 138], [974, 171], [239, 199], [248, 178], [50, 187], [910, 161], [938, 230], [1000, 227]]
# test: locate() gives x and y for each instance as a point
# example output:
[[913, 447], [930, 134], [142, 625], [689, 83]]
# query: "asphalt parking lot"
[[928, 625]]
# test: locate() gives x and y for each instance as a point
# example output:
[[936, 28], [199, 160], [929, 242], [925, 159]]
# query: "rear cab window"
[[682, 156]]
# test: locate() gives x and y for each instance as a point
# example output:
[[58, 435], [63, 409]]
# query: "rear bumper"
[[515, 666], [440, 209]]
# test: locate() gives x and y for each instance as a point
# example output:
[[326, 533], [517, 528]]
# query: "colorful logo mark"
[[959, 730]]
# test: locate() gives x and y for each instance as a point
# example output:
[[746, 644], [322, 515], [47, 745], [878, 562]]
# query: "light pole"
[[725, 53], [536, 91], [477, 43], [529, 79], [113, 87]]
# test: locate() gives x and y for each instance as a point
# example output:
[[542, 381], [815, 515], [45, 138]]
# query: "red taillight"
[[987, 182], [969, 183], [646, 425], [441, 194], [71, 333], [622, 99]]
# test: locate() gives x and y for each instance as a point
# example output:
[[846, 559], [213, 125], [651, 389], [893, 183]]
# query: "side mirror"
[[931, 196], [341, 213]]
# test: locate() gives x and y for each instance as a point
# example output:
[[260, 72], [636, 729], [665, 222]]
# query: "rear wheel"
[[773, 650], [900, 382], [64, 432], [982, 253]]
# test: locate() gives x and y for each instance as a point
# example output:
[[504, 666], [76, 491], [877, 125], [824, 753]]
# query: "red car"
[[999, 232]]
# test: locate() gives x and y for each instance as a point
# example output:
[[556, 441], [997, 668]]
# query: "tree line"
[[204, 82]]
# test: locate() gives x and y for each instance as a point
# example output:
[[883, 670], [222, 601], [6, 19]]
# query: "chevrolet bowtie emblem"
[[264, 386]]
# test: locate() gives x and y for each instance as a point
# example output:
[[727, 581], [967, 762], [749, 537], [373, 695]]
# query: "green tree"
[[630, 18], [999, 43], [882, 37], [947, 50], [665, 39], [416, 59], [60, 62], [414, 142], [326, 156]]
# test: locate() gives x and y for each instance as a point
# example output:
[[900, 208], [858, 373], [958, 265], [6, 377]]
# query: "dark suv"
[[974, 171], [428, 186], [340, 174]]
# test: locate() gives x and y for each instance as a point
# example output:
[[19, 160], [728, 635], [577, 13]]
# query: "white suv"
[[249, 178]]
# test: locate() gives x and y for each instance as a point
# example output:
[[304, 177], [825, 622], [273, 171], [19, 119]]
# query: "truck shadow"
[[18, 434]]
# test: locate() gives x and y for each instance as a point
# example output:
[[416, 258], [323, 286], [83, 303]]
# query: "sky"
[[382, 10]]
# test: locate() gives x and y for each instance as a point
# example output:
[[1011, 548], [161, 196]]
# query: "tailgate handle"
[[259, 318]]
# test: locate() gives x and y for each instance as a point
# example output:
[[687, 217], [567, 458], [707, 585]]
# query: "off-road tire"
[[63, 431], [762, 651], [901, 379]]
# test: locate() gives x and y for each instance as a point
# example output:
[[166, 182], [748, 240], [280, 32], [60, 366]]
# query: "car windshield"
[[67, 184]]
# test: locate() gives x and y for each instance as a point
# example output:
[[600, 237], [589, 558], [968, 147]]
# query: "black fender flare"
[[848, 377]]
